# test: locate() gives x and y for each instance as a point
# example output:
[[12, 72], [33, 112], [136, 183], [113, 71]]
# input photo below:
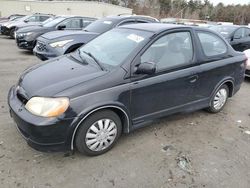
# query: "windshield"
[[48, 20], [225, 31], [113, 47], [100, 26], [53, 22], [15, 18], [24, 18]]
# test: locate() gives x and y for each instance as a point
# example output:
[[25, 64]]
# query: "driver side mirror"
[[61, 27], [26, 21], [146, 68]]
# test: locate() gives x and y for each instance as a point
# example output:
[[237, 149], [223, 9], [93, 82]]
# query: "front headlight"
[[60, 43], [25, 34], [47, 107], [29, 33]]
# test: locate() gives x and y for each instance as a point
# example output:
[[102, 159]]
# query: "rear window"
[[212, 45]]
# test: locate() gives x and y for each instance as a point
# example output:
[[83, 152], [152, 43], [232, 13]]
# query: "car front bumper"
[[44, 51], [43, 134], [23, 44], [5, 30]]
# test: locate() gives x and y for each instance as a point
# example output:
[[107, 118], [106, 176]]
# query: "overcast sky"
[[226, 2]]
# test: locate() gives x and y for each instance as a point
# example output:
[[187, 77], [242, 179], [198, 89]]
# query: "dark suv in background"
[[26, 37], [237, 36], [56, 43], [35, 19]]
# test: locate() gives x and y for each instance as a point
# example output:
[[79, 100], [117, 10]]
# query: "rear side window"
[[212, 45], [127, 22], [43, 18], [239, 33]]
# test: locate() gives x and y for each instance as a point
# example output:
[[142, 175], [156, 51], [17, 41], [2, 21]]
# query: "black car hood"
[[60, 34], [50, 78], [37, 28]]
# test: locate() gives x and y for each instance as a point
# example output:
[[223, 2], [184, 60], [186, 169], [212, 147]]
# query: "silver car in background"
[[247, 52]]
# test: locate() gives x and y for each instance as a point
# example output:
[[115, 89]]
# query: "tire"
[[219, 99], [12, 31], [91, 144]]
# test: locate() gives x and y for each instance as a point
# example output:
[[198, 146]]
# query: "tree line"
[[190, 9], [187, 9]]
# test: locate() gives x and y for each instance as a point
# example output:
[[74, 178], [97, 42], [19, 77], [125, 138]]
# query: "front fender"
[[87, 112]]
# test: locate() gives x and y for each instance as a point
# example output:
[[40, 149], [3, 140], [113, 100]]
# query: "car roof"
[[127, 16], [157, 27], [72, 16]]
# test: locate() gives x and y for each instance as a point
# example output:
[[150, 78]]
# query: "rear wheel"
[[98, 133], [219, 99]]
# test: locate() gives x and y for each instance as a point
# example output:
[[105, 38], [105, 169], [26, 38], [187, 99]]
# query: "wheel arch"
[[230, 84], [115, 108]]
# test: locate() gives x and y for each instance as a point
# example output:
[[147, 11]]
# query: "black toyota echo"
[[120, 81]]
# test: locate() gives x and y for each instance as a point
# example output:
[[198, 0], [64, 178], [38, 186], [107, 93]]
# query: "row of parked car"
[[43, 33], [120, 79]]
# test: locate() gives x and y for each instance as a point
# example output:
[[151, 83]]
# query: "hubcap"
[[220, 99], [101, 134]]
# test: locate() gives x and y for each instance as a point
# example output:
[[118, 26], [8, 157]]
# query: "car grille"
[[41, 46]]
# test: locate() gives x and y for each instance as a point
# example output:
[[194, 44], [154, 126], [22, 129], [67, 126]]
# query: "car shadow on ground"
[[26, 52]]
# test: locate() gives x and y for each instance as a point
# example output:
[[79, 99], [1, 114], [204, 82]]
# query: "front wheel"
[[98, 133], [12, 33], [219, 99]]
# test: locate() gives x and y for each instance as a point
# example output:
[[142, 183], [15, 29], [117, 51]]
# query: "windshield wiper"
[[96, 60], [79, 53]]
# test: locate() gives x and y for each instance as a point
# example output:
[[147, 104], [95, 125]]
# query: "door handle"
[[193, 79]]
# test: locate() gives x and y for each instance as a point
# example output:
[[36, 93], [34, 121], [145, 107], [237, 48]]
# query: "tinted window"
[[54, 22], [142, 21], [33, 19], [72, 23], [100, 26], [239, 34], [43, 18], [247, 32], [172, 50], [224, 30], [127, 22], [212, 45]]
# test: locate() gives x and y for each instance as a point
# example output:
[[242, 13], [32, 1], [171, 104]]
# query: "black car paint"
[[79, 38], [29, 43], [137, 99]]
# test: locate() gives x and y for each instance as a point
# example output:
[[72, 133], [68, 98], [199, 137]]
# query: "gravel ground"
[[189, 150]]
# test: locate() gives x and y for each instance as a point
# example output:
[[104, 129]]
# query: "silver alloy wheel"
[[101, 134], [220, 99]]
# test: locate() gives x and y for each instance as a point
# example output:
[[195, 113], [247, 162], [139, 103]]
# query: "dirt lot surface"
[[189, 150]]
